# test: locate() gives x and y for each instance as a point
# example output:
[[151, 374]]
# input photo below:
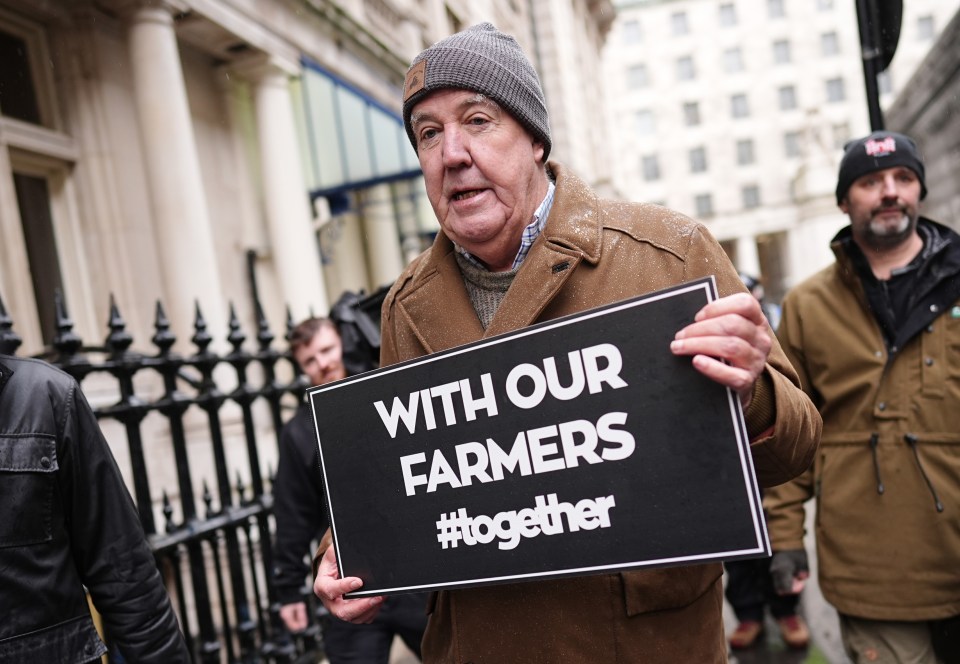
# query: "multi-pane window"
[[691, 113], [733, 60], [678, 23], [829, 44], [745, 151], [791, 144], [18, 98], [751, 196], [781, 51], [728, 15], [925, 28], [787, 96], [632, 34], [637, 77], [775, 9], [644, 122], [651, 167], [685, 69], [704, 205], [739, 107], [835, 90], [698, 160]]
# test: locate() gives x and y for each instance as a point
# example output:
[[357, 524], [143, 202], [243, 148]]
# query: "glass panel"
[[18, 98], [383, 129], [356, 140], [322, 123], [33, 200]]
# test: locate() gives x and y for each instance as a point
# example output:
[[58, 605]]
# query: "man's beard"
[[880, 233]]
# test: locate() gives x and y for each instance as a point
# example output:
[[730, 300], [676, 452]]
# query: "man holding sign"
[[524, 240]]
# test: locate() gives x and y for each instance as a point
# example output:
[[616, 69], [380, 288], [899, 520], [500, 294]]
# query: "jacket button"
[[928, 361], [934, 308], [929, 328], [882, 405], [45, 462]]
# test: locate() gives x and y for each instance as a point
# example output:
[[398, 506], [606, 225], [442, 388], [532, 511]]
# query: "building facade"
[[736, 111]]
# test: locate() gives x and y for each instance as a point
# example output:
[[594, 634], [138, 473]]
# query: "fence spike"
[[290, 324], [163, 338], [264, 335], [9, 340], [168, 512], [236, 336], [66, 342], [201, 337], [118, 340]]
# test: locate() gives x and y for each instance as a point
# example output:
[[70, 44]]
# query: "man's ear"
[[538, 151], [843, 206]]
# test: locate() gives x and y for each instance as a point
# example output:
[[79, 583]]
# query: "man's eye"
[[477, 120], [427, 134]]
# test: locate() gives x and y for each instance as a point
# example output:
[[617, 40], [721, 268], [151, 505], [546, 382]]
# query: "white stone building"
[[168, 149], [735, 112]]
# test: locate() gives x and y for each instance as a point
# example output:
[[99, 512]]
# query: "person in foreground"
[[875, 338], [67, 522], [317, 348], [524, 240]]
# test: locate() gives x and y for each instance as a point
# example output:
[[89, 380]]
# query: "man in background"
[[875, 338], [301, 518]]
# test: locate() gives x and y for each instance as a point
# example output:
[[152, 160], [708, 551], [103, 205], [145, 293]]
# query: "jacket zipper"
[[912, 440]]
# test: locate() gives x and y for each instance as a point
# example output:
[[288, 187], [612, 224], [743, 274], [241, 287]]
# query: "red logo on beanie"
[[882, 148]]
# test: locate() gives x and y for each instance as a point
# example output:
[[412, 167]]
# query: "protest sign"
[[575, 446]]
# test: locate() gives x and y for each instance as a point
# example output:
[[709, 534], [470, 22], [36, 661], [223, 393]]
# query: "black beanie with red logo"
[[879, 150]]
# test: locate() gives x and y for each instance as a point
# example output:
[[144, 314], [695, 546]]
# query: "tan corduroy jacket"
[[890, 449], [590, 253]]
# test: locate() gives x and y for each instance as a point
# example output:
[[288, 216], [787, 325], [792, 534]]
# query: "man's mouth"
[[464, 195]]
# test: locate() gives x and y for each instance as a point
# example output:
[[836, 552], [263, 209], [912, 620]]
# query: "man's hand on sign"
[[329, 587], [733, 329]]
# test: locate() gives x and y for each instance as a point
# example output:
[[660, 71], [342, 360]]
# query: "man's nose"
[[455, 147], [889, 187]]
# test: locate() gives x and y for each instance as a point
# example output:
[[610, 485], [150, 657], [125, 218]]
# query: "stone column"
[[381, 236], [286, 203], [181, 220]]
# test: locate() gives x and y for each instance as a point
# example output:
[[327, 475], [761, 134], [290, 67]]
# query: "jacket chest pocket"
[[27, 483]]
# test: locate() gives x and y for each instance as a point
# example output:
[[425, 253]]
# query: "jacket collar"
[[436, 305]]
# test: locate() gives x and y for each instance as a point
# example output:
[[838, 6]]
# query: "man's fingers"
[[743, 304]]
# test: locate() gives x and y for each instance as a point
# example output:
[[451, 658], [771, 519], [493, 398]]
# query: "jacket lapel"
[[438, 309]]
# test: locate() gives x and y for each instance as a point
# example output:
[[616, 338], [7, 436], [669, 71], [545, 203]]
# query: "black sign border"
[[709, 286]]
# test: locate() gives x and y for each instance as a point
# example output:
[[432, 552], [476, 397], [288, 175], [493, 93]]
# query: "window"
[[751, 196], [18, 97], [840, 134], [704, 205], [781, 51], [691, 113], [787, 95], [644, 122], [732, 60], [791, 144], [678, 23], [885, 82], [739, 108], [637, 77], [925, 28], [698, 160], [829, 44], [835, 90], [651, 167], [685, 69], [775, 9], [728, 15], [631, 32], [745, 151]]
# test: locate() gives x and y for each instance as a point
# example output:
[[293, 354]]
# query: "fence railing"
[[222, 409]]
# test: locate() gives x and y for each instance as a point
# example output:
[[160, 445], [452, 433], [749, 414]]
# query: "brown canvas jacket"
[[590, 253], [890, 451]]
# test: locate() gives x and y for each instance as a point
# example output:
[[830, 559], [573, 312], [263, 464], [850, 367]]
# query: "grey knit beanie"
[[485, 60]]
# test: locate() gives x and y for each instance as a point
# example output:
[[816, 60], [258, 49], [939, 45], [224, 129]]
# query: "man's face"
[[322, 359], [883, 207], [483, 172]]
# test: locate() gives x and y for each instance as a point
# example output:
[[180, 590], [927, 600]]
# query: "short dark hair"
[[306, 330]]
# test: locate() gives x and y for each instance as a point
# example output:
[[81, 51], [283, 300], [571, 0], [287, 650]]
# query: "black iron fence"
[[215, 553]]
